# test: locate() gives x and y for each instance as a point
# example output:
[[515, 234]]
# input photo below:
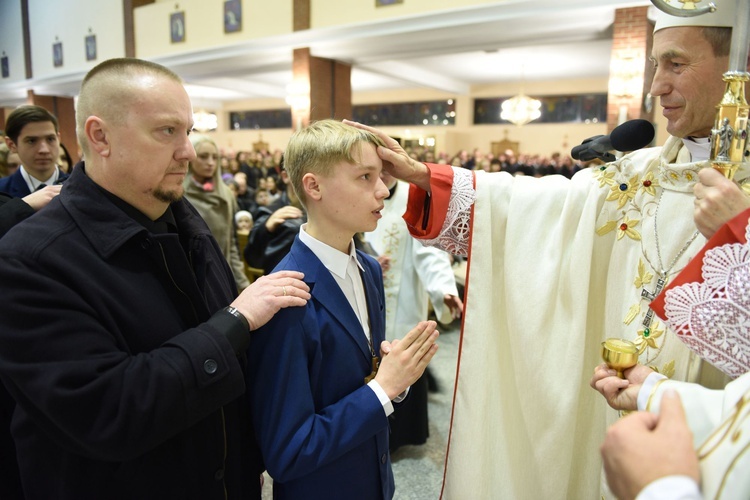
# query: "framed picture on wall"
[[381, 3], [177, 26], [5, 65], [90, 47], [57, 54], [232, 16]]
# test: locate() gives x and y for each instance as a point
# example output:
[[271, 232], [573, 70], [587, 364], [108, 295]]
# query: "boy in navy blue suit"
[[319, 400]]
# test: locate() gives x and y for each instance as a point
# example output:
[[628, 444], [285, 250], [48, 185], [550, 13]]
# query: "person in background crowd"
[[244, 221], [275, 227], [215, 202], [64, 161], [32, 132], [245, 194], [4, 151]]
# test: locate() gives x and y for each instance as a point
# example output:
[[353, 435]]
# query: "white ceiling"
[[448, 51]]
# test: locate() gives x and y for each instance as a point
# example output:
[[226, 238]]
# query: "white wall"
[[61, 21], [11, 40]]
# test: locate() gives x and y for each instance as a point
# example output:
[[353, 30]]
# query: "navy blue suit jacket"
[[15, 185], [322, 431]]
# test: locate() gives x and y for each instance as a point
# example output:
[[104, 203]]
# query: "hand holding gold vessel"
[[619, 354]]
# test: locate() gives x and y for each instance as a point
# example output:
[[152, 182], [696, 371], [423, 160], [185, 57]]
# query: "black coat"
[[125, 386], [12, 211]]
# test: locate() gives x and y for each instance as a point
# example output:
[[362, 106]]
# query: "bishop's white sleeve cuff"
[[671, 488], [647, 388]]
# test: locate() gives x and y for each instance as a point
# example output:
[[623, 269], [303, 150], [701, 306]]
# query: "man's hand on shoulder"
[[39, 199], [266, 295]]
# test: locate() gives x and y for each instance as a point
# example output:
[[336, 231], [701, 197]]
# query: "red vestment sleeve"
[[731, 232], [425, 216]]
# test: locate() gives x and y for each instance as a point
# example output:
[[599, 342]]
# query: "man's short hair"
[[321, 146], [720, 40], [22, 116], [106, 90]]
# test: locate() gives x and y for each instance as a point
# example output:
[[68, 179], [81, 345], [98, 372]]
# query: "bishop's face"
[[688, 80]]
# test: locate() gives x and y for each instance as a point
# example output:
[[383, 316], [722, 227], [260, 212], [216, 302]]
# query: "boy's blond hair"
[[319, 147]]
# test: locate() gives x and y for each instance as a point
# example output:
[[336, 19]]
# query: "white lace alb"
[[454, 235], [713, 317]]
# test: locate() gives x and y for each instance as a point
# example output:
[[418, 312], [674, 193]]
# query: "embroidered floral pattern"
[[624, 227], [644, 277], [623, 192], [649, 183], [605, 177], [631, 198], [647, 337]]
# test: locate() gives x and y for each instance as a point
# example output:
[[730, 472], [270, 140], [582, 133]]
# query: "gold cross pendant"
[[375, 365]]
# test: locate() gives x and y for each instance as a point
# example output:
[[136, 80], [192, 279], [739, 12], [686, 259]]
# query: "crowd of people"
[[136, 362]]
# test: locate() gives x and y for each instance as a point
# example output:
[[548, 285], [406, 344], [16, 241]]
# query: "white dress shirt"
[[34, 184]]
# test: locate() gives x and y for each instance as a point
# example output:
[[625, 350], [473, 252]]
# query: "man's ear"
[[311, 186], [11, 145], [97, 135]]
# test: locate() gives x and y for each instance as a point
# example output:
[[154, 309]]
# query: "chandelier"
[[521, 109], [205, 122]]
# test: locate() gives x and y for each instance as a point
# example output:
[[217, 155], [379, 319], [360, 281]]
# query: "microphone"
[[629, 136]]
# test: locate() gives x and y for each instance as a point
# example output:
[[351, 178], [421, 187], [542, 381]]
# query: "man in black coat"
[[122, 337], [13, 211]]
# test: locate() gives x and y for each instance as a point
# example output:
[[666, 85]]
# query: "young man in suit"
[[32, 132], [320, 403]]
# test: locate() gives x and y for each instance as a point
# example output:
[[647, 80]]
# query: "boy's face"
[[352, 197], [38, 147]]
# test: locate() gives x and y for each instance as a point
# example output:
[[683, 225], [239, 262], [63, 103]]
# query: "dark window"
[[266, 118], [555, 109], [406, 113]]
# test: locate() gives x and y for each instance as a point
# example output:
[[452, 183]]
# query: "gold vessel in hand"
[[619, 354]]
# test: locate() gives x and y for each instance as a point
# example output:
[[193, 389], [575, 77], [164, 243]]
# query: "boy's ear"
[[11, 145], [311, 186]]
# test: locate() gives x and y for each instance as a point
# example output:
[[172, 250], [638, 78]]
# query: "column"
[[322, 87], [630, 72]]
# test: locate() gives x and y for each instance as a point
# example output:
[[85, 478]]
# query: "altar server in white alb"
[[414, 276], [664, 451], [556, 266]]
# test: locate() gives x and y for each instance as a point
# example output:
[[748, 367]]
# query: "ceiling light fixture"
[[204, 122], [521, 109]]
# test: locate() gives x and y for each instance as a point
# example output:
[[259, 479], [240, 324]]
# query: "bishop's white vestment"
[[556, 266]]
